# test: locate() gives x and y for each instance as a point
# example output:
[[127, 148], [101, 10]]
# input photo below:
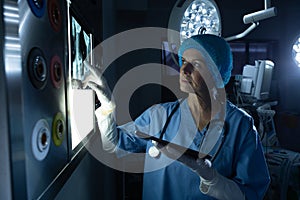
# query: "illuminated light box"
[[81, 101]]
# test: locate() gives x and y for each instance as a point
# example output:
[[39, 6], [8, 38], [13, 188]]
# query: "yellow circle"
[[58, 129]]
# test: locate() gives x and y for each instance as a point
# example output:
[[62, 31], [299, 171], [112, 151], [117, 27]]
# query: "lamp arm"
[[254, 18], [243, 34]]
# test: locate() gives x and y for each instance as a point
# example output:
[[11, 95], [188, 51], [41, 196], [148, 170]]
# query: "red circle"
[[56, 71], [54, 15]]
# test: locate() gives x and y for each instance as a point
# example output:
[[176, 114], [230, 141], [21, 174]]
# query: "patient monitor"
[[256, 79]]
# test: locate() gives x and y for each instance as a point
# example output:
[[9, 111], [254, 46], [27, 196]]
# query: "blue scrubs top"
[[240, 157]]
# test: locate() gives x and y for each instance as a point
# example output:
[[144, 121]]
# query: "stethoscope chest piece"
[[153, 151]]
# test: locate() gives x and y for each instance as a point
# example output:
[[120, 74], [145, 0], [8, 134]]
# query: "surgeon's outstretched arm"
[[105, 113]]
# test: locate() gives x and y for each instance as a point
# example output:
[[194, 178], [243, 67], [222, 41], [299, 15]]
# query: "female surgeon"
[[231, 163]]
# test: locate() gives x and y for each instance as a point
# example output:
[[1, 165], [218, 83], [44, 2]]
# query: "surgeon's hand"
[[200, 166], [212, 183], [104, 114], [96, 82]]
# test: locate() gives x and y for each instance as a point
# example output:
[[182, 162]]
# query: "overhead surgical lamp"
[[296, 51], [192, 17]]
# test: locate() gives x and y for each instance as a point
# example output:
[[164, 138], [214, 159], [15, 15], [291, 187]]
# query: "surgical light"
[[193, 17], [296, 51], [199, 17]]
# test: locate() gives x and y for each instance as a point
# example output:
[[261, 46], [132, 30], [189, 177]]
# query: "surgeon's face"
[[192, 71]]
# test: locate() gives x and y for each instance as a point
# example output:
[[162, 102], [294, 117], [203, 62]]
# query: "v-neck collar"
[[188, 134]]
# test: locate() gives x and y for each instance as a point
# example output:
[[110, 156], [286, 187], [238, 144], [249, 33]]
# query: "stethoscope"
[[211, 142]]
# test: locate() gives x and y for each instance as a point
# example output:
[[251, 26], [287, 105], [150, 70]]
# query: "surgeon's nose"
[[187, 68]]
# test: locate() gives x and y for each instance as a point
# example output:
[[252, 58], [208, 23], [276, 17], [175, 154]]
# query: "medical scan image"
[[80, 50]]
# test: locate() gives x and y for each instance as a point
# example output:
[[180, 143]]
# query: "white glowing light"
[[194, 6], [296, 52], [200, 15]]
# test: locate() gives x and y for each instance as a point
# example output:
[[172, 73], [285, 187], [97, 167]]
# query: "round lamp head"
[[194, 17], [201, 16], [296, 51]]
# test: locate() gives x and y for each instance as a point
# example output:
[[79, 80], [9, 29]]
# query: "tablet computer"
[[193, 153]]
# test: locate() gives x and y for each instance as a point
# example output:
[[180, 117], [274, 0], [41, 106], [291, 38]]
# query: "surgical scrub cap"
[[216, 47]]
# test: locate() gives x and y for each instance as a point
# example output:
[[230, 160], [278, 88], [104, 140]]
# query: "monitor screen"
[[81, 47], [256, 79], [264, 79], [248, 81], [81, 101]]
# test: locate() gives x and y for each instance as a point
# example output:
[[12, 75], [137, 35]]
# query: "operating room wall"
[[91, 180]]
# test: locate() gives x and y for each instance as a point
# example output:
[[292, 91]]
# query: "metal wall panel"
[[42, 39], [35, 59], [5, 172]]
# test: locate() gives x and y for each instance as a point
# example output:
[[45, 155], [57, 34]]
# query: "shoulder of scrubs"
[[156, 112], [249, 164]]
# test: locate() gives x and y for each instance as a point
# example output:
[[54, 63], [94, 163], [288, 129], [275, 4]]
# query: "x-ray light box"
[[81, 101]]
